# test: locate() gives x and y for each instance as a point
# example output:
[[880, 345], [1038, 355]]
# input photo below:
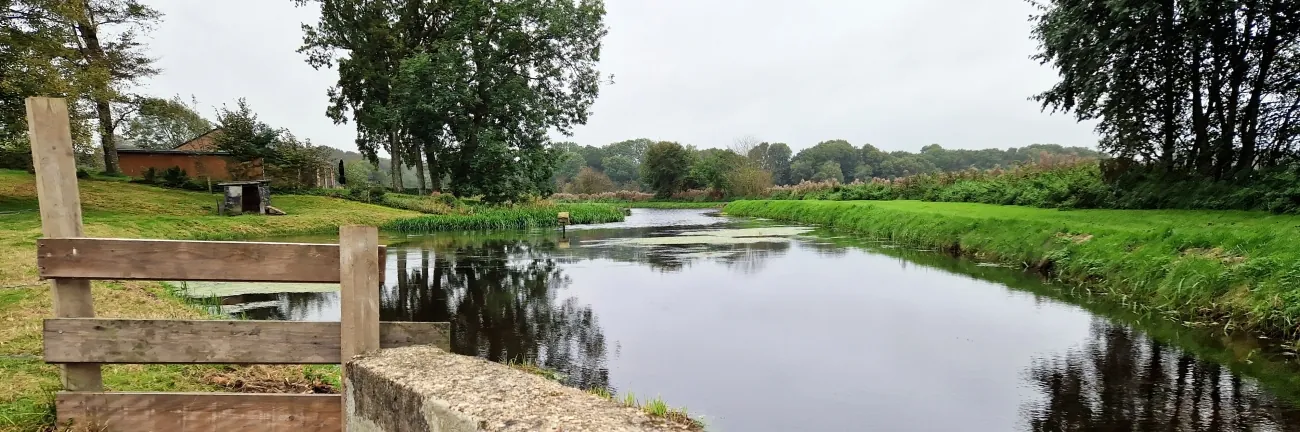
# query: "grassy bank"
[[498, 218], [1230, 269], [119, 209]]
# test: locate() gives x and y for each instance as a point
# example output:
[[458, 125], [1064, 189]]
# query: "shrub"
[[151, 175], [175, 177], [82, 173]]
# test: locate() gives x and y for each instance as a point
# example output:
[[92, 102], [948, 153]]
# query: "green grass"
[[1230, 269], [114, 208], [515, 217]]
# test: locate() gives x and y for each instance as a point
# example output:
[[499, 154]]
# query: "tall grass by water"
[[511, 217], [1228, 269]]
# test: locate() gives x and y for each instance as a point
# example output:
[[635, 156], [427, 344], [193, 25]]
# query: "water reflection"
[[503, 302], [1122, 380]]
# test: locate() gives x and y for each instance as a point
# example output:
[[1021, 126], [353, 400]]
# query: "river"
[[753, 326]]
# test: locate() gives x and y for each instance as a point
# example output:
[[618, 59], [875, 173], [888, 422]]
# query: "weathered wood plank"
[[358, 295], [60, 205], [359, 274], [79, 340], [131, 259], [199, 412]]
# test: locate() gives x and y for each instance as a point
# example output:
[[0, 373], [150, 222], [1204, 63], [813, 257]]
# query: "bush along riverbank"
[[1231, 269]]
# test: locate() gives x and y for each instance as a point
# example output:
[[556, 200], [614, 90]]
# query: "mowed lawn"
[[125, 210]]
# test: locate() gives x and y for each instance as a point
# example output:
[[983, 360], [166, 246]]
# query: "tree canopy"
[[473, 86], [1207, 88], [164, 123]]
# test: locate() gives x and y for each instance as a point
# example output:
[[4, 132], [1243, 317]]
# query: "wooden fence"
[[81, 343]]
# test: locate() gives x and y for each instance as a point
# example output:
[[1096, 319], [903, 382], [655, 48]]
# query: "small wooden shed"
[[241, 197]]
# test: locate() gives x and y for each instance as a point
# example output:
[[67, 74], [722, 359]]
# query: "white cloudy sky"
[[897, 74]]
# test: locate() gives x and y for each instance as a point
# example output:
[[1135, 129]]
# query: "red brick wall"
[[197, 166]]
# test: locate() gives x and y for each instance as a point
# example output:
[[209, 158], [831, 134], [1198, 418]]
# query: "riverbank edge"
[[1179, 273]]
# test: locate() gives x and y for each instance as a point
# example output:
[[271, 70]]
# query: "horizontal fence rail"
[[90, 340], [177, 260], [148, 412]]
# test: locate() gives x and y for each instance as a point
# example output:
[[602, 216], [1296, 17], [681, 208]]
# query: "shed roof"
[[242, 182], [172, 151]]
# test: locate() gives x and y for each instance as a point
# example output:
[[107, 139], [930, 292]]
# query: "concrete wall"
[[424, 389]]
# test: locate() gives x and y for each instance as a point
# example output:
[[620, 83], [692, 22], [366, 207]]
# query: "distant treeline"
[[618, 166]]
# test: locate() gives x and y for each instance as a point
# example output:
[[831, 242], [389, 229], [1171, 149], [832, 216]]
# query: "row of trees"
[[1195, 88], [464, 90], [746, 163]]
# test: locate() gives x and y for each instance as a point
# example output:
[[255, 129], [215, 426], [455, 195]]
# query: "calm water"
[[816, 332]]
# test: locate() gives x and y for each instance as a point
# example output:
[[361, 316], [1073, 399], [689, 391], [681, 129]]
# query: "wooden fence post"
[[56, 189], [358, 295]]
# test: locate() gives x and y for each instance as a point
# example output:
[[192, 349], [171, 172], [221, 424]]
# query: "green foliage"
[[829, 171], [509, 217], [15, 155], [243, 135], [713, 168], [165, 123], [773, 158], [590, 181], [811, 161], [620, 168], [1200, 88], [569, 165], [1230, 269], [665, 169], [1074, 184], [475, 101], [150, 175]]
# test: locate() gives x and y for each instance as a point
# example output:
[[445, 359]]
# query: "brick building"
[[198, 157]]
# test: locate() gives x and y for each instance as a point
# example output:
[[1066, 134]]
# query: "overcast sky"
[[896, 74]]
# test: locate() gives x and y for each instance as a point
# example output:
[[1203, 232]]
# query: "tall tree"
[[477, 84], [665, 169], [773, 158], [165, 123], [1197, 87], [111, 57], [81, 49]]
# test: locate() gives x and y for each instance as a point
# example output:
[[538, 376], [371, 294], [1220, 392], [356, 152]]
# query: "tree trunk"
[[395, 160], [105, 114], [94, 54], [1169, 100], [435, 172], [1250, 118], [419, 173]]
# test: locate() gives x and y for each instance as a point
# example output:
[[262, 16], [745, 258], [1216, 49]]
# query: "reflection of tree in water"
[[1122, 380], [500, 297]]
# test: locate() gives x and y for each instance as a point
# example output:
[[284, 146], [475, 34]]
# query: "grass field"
[[1230, 269], [119, 209]]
